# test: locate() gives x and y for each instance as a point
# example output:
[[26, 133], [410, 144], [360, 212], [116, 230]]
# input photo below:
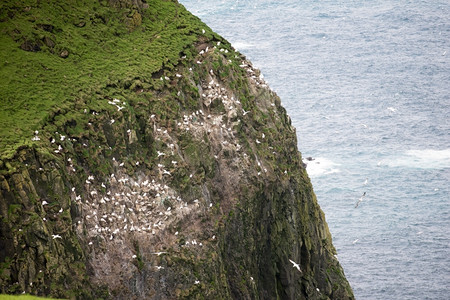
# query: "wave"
[[242, 45], [320, 166], [421, 159]]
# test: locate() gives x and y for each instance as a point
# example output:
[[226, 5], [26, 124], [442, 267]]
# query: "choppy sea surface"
[[367, 85]]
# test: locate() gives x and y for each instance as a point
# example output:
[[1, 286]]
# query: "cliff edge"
[[143, 157]]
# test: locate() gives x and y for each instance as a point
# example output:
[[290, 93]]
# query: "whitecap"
[[321, 166], [421, 159], [242, 46]]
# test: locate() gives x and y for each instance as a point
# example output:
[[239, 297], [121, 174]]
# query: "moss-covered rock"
[[152, 161]]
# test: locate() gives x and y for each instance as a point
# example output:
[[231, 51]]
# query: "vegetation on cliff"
[[20, 297], [143, 157]]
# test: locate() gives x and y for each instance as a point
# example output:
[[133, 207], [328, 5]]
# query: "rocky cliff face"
[[171, 173]]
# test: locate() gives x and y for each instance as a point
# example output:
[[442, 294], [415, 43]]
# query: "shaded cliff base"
[[20, 297]]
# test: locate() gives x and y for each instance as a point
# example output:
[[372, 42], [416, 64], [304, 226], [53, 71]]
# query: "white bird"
[[56, 236], [160, 153], [360, 199], [159, 253], [295, 265], [245, 112], [44, 202], [366, 181]]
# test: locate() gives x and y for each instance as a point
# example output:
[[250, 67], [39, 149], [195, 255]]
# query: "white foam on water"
[[421, 159], [240, 45], [321, 166]]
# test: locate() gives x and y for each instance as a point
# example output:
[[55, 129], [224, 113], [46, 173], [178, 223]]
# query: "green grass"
[[107, 47], [21, 297]]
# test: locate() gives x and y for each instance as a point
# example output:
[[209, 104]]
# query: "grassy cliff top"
[[55, 57]]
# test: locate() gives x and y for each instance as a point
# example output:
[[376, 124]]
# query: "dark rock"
[[31, 46], [46, 27], [48, 42]]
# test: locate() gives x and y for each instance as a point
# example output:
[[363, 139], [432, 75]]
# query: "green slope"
[[73, 55]]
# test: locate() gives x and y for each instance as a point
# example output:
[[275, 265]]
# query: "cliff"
[[143, 157]]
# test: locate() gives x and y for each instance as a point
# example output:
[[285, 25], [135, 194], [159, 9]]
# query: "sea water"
[[367, 85]]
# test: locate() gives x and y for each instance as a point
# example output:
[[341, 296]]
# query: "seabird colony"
[[147, 205]]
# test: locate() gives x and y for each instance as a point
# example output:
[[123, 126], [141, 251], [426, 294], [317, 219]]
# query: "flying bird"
[[360, 200], [295, 265]]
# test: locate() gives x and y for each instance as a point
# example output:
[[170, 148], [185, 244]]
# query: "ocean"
[[367, 85]]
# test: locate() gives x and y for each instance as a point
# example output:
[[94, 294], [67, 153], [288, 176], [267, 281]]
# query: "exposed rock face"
[[187, 186]]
